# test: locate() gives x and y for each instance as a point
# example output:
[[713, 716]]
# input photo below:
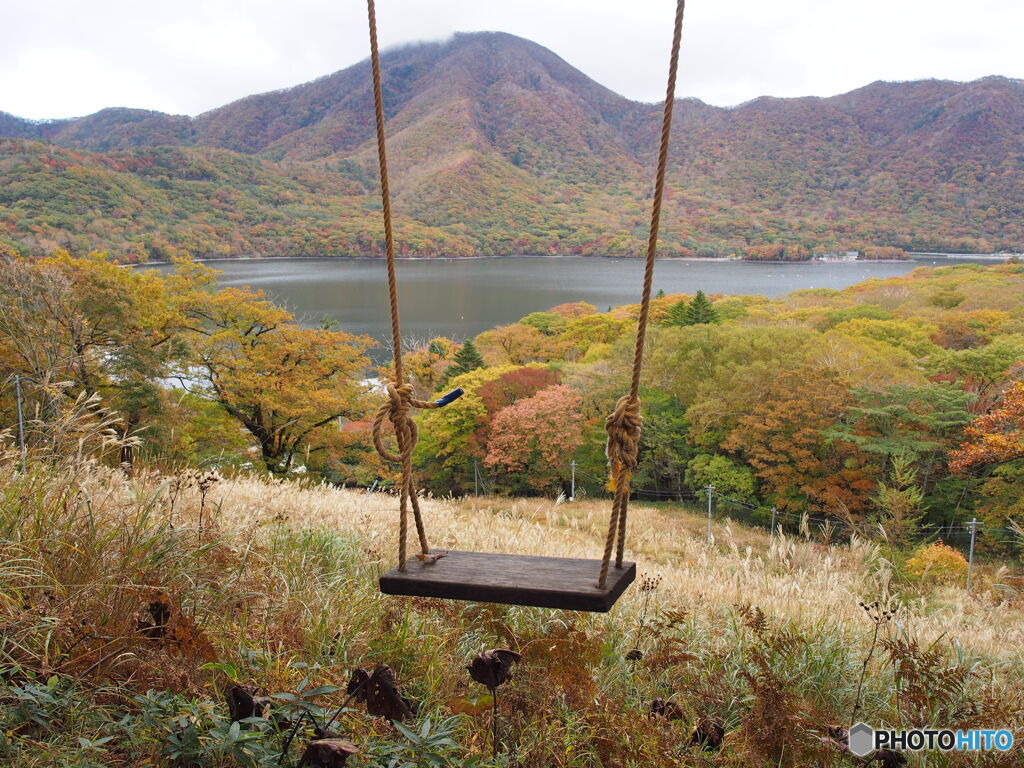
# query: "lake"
[[460, 298]]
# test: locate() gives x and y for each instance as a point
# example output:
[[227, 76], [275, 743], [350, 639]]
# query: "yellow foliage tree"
[[284, 383]]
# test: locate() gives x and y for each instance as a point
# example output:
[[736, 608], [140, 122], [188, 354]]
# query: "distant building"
[[839, 256]]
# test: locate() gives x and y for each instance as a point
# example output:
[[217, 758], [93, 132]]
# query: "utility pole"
[[711, 491], [970, 556], [572, 492], [21, 421], [775, 513]]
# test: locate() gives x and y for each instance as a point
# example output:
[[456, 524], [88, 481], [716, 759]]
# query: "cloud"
[[67, 57]]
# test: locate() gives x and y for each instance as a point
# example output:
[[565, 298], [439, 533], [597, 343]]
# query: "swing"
[[544, 582]]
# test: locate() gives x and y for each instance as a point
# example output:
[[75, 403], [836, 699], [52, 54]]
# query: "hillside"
[[499, 146], [132, 616]]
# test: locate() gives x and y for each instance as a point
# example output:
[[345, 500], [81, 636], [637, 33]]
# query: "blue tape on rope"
[[451, 397]]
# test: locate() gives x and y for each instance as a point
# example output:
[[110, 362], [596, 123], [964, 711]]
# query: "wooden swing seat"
[[485, 577]]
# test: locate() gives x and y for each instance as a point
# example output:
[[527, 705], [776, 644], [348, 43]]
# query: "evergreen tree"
[[466, 359], [677, 314], [660, 294], [701, 311]]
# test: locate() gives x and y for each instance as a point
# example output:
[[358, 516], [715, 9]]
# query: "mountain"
[[499, 146]]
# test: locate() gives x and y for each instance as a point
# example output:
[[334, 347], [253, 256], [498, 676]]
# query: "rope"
[[623, 425], [385, 192], [400, 400]]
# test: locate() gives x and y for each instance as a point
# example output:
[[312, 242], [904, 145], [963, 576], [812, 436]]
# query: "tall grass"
[[111, 587]]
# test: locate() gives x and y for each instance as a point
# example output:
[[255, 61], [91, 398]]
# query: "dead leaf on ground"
[[328, 753]]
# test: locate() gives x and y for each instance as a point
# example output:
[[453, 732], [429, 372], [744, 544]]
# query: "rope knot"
[[623, 427], [397, 409]]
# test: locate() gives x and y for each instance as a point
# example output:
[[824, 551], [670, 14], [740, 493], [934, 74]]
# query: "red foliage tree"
[[534, 440], [516, 385]]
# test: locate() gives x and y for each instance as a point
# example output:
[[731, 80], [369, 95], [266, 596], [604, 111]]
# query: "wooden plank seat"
[[543, 582]]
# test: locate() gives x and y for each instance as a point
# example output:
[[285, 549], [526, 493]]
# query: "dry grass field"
[[793, 578], [131, 607]]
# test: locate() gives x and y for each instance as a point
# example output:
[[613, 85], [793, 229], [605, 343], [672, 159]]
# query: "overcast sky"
[[61, 58]]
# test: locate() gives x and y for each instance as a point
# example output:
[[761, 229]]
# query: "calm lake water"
[[459, 298]]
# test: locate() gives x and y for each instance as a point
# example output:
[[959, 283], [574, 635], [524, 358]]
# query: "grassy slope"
[[283, 574]]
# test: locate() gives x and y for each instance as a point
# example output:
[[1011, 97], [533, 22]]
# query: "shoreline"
[[912, 256]]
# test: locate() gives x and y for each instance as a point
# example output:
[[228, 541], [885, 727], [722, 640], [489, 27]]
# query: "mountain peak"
[[498, 145]]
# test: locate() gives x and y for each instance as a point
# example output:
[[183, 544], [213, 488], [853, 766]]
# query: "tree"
[[515, 343], [449, 438], [466, 359], [85, 326], [698, 311], [676, 314], [919, 422], [900, 502], [514, 385], [729, 478], [548, 323], [784, 437], [533, 440], [573, 309], [664, 449], [285, 384], [425, 365], [701, 311], [996, 437]]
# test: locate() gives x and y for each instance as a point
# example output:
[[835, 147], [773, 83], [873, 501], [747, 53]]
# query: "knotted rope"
[[396, 409], [624, 423], [400, 400]]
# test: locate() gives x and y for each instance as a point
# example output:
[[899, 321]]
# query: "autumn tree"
[[573, 309], [783, 436], [426, 365], [449, 437], [515, 385], [515, 344], [996, 437], [285, 384], [548, 323], [86, 326], [532, 442]]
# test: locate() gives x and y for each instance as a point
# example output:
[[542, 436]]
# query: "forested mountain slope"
[[499, 146]]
